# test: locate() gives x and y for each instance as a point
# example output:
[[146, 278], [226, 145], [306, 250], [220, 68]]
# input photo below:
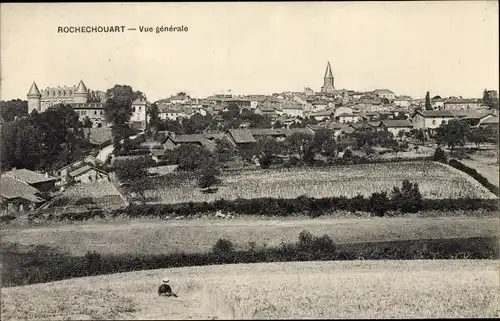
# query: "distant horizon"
[[449, 48]]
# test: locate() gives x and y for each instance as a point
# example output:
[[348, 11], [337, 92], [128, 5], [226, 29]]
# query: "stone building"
[[328, 81]]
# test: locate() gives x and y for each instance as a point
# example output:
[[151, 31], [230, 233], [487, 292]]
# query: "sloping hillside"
[[355, 289]]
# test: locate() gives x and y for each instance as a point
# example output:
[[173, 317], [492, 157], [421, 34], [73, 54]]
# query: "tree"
[[407, 199], [478, 136], [299, 144], [436, 97], [132, 169], [224, 150], [154, 116], [118, 110], [385, 101], [439, 156], [428, 105], [209, 174], [452, 133], [379, 203], [190, 157], [490, 98], [87, 123], [11, 109]]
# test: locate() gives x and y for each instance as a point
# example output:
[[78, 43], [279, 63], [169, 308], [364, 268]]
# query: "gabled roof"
[[392, 123], [241, 136], [90, 157], [193, 139], [83, 170], [346, 115], [29, 177], [435, 113], [492, 121], [12, 189]]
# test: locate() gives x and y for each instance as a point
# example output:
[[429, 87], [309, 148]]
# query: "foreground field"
[[165, 237], [356, 289], [436, 181]]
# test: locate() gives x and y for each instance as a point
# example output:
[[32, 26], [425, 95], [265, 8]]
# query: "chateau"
[[85, 102]]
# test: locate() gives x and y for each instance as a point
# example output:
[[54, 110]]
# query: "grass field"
[[154, 236], [355, 289], [436, 181]]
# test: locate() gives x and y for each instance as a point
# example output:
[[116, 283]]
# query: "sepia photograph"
[[249, 160]]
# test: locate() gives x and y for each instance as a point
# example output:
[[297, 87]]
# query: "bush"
[[347, 154], [407, 199], [439, 155], [379, 203], [478, 177]]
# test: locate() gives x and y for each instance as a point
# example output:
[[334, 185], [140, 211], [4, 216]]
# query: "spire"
[[328, 72], [34, 90], [81, 89]]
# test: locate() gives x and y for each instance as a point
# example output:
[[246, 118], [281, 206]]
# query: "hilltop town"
[[244, 127]]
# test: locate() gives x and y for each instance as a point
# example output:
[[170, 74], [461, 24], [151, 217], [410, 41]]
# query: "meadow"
[[435, 180], [156, 236], [350, 289]]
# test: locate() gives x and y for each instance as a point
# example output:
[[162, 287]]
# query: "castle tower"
[[81, 93], [34, 99], [328, 81]]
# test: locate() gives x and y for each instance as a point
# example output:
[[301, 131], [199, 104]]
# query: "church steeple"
[[328, 81], [328, 72]]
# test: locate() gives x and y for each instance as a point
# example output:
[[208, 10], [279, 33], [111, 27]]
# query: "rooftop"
[[12, 189], [397, 123], [29, 177]]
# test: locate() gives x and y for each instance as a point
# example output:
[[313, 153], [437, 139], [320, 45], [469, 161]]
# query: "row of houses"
[[23, 189]]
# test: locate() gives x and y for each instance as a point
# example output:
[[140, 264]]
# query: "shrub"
[[478, 177], [407, 199], [223, 246], [84, 201], [347, 154], [379, 203], [439, 155]]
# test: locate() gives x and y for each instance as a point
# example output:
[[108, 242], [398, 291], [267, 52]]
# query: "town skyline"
[[271, 49]]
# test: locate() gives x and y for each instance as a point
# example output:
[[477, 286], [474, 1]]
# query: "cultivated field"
[[154, 236], [103, 194], [436, 181], [354, 289]]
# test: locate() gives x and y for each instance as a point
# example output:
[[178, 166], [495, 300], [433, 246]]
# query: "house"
[[438, 103], [266, 111], [395, 126], [293, 110], [18, 196], [384, 93], [322, 115], [139, 113], [347, 118], [431, 119], [170, 113], [279, 134], [242, 138], [65, 170], [461, 104], [474, 119], [192, 139], [87, 174], [99, 137], [402, 101], [490, 122], [41, 182]]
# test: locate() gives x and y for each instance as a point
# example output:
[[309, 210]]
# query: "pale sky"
[[448, 48]]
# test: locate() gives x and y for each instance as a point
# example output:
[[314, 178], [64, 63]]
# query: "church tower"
[[34, 99], [81, 94], [328, 82]]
